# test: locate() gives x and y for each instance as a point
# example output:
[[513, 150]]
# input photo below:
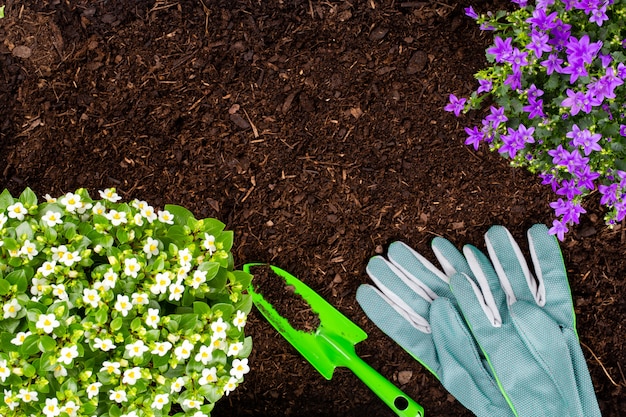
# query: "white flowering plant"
[[117, 309], [556, 99]]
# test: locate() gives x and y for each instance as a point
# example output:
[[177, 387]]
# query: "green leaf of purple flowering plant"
[[557, 99]]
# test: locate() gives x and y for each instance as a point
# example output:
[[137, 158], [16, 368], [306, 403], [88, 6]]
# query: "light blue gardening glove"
[[412, 303], [525, 324]]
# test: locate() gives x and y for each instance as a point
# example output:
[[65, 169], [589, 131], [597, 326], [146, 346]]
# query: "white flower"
[[240, 320], [103, 344], [209, 243], [17, 211], [177, 385], [52, 218], [5, 372], [160, 400], [199, 414], [111, 367], [199, 278], [204, 355], [190, 403], [11, 308], [109, 279], [119, 396], [59, 371], [151, 247], [29, 249], [116, 217], [153, 318], [185, 257], [129, 414], [47, 322], [83, 207], [70, 258], [166, 217], [51, 409], [27, 396], [162, 281], [230, 385], [68, 354], [99, 209], [183, 351], [91, 297], [58, 252], [131, 375], [240, 368], [19, 338], [138, 204], [234, 349], [70, 408], [219, 328], [71, 202], [10, 400], [110, 195], [208, 376], [138, 220], [136, 349], [123, 304], [58, 290], [176, 291], [161, 348], [149, 214], [218, 344], [131, 267], [46, 269], [3, 220], [140, 298], [93, 389]]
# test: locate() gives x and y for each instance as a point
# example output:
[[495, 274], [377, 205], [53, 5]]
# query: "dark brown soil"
[[316, 131]]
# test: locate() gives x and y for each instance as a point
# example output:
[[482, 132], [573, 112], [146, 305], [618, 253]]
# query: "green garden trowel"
[[332, 343]]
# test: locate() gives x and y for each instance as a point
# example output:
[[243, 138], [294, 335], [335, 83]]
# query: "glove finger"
[[450, 258], [413, 300], [419, 269], [465, 372], [487, 289], [551, 275], [553, 370], [511, 267], [390, 321], [586, 393]]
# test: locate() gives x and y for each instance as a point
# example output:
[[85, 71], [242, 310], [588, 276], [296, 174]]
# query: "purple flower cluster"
[[559, 104]]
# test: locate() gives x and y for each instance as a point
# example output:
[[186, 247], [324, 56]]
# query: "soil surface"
[[315, 130]]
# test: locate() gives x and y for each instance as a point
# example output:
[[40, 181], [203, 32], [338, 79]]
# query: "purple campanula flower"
[[538, 43], [622, 130], [575, 70], [549, 179], [573, 100], [579, 49], [605, 60], [534, 108], [609, 194], [534, 92], [575, 161], [520, 3], [456, 105], [621, 70], [496, 116], [470, 12], [569, 189], [475, 136], [586, 139], [559, 229], [502, 49], [559, 155], [590, 101], [518, 59], [598, 15], [511, 143], [544, 4], [586, 177], [552, 64], [514, 80], [485, 86], [542, 21]]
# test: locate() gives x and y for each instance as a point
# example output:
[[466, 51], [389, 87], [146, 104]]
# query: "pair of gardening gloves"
[[500, 338]]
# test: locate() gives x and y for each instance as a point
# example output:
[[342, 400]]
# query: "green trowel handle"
[[391, 395], [343, 354]]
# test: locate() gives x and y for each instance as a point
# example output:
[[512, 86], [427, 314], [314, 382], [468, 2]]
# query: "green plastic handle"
[[396, 400]]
